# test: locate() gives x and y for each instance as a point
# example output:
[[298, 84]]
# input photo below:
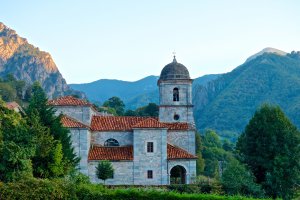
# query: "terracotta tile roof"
[[68, 101], [111, 153], [177, 126], [126, 153], [69, 122], [178, 153], [114, 123], [126, 123], [12, 105], [149, 123]]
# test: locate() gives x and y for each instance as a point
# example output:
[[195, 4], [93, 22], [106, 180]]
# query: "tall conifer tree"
[[38, 105]]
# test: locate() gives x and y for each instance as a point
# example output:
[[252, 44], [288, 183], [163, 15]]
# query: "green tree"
[[150, 110], [236, 179], [16, 146], [214, 155], [211, 139], [227, 145], [104, 170], [200, 163], [130, 113], [270, 146], [115, 103], [38, 106], [7, 92]]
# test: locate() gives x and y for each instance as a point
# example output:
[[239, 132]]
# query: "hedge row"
[[60, 189]]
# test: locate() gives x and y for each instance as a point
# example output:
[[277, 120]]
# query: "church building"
[[142, 150]]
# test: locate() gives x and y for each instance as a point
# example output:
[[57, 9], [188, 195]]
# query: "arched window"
[[175, 94], [111, 143]]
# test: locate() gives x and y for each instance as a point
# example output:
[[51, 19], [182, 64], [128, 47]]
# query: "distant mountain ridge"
[[28, 63], [134, 94]]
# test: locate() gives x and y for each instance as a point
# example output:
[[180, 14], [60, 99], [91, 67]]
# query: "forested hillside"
[[227, 103]]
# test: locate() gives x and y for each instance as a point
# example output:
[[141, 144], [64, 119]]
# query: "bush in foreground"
[[62, 189]]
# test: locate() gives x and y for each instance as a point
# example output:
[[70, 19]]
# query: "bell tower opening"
[[175, 94]]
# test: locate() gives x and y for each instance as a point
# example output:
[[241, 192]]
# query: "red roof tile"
[[177, 126], [178, 153], [111, 153], [126, 123], [149, 123], [69, 122], [126, 153], [68, 101], [12, 105], [114, 123]]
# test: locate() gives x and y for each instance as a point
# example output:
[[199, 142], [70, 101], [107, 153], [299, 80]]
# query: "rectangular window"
[[150, 147], [150, 174]]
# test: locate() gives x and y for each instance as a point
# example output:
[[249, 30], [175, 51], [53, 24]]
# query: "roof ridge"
[[75, 120]]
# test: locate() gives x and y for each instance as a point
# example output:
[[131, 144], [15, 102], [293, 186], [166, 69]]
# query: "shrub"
[[37, 189]]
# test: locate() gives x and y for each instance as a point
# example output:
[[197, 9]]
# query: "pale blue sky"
[[128, 40]]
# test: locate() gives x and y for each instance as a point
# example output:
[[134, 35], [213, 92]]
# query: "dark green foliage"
[[16, 146], [117, 104], [151, 110], [12, 89], [270, 146], [31, 189], [184, 188], [36, 189], [200, 163], [104, 170], [231, 100], [227, 145], [49, 128], [214, 155], [236, 179]]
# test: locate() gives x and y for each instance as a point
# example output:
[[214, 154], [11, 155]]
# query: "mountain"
[[227, 103], [101, 90], [134, 94], [267, 50], [28, 63]]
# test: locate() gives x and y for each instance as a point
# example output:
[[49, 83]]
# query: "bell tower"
[[175, 94]]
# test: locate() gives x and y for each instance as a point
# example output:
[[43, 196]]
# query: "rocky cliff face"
[[28, 63]]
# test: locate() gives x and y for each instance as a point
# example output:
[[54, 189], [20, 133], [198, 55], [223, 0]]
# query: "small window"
[[111, 143], [175, 94], [150, 174], [150, 147], [176, 117]]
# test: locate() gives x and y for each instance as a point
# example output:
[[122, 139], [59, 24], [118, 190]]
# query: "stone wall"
[[144, 161], [183, 139], [189, 166], [81, 143], [124, 138], [81, 113], [166, 93], [123, 173], [169, 108], [166, 114]]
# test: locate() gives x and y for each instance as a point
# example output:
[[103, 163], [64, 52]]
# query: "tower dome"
[[174, 70]]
